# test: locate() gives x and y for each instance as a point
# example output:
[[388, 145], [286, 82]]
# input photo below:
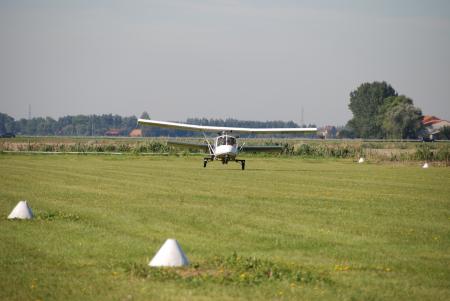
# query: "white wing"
[[217, 129]]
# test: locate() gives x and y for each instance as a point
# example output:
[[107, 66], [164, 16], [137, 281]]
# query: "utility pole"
[[302, 120], [92, 125], [29, 111]]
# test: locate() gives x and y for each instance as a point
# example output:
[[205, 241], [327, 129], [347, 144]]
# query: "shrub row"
[[324, 150], [427, 152], [146, 147], [420, 151]]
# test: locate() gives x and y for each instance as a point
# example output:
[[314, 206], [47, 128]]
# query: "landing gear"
[[242, 163], [224, 161], [205, 161]]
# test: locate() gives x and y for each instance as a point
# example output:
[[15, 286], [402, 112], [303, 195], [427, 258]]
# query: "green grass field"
[[285, 228]]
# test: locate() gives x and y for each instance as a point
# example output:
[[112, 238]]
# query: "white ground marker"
[[361, 160], [170, 255], [425, 165], [21, 211]]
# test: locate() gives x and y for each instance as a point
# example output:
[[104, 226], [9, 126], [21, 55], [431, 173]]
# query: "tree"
[[145, 115], [6, 123], [400, 119], [146, 130], [345, 132], [46, 127], [365, 104], [445, 133]]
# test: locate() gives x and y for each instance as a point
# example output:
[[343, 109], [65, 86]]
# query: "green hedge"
[[379, 151]]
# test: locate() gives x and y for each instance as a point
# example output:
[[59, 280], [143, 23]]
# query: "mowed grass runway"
[[333, 229]]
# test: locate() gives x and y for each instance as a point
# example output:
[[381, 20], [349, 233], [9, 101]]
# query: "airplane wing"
[[218, 129], [201, 146], [261, 148]]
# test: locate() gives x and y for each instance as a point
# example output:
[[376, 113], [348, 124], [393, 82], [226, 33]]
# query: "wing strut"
[[211, 150]]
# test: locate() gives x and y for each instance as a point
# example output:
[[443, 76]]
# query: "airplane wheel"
[[243, 165], [205, 162]]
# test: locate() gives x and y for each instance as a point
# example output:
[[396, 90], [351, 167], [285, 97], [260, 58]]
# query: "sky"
[[251, 60]]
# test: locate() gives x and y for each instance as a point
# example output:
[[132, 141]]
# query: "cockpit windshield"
[[226, 140], [220, 141], [231, 140]]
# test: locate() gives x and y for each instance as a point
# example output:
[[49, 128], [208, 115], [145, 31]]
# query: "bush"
[[443, 153], [110, 148], [424, 152], [322, 150], [124, 148]]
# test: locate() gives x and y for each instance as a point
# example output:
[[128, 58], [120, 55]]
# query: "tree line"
[[78, 125], [101, 125], [379, 112]]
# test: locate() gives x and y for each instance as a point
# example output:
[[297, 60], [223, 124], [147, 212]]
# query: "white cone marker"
[[21, 211], [170, 255], [425, 165], [361, 160]]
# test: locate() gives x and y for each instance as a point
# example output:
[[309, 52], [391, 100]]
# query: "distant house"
[[428, 120], [433, 125], [112, 132], [136, 133], [328, 131]]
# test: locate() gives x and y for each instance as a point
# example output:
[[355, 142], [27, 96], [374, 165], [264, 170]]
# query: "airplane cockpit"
[[226, 140]]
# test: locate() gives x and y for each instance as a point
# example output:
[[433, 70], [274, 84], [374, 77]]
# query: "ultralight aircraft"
[[225, 146]]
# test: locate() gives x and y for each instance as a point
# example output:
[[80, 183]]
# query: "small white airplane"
[[225, 146]]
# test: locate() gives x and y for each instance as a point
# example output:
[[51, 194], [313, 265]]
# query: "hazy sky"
[[259, 60]]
